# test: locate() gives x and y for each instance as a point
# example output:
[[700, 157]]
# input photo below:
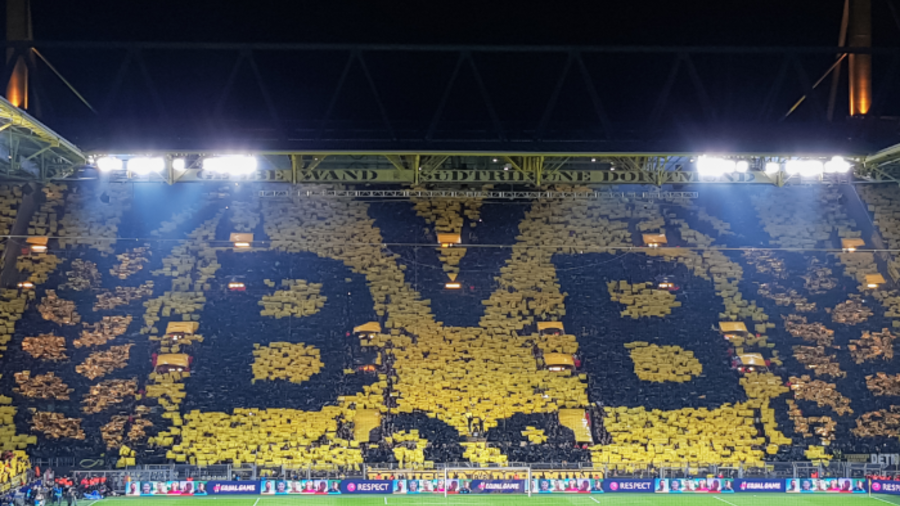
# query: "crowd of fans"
[[81, 361]]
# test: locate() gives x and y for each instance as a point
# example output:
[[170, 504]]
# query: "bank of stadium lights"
[[718, 166], [143, 165], [837, 165], [804, 168], [232, 165], [715, 166], [140, 165], [108, 163]]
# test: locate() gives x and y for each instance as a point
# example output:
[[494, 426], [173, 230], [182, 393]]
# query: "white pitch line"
[[595, 500], [723, 500], [385, 500], [880, 499], [257, 501]]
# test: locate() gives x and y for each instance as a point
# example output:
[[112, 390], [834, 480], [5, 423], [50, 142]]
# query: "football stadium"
[[284, 274]]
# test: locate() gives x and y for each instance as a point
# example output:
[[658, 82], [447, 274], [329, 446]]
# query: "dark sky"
[[722, 22]]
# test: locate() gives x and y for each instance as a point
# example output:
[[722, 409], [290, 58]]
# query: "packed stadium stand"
[[207, 325]]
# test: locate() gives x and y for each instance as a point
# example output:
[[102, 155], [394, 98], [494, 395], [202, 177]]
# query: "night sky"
[[742, 22], [188, 100]]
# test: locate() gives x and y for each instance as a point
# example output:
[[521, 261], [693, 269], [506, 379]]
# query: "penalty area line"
[[595, 500], [880, 499]]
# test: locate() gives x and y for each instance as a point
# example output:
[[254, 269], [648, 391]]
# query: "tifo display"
[[727, 335]]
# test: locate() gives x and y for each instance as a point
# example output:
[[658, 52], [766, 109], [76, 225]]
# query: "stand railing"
[[117, 478]]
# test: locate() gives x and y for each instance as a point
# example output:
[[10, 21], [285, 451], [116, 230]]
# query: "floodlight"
[[233, 165], [772, 167], [242, 245], [143, 165], [26, 285], [712, 166], [453, 286], [837, 165], [742, 166], [108, 163], [178, 164], [39, 248], [804, 168]]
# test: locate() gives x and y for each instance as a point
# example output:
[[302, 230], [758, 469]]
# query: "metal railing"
[[118, 478]]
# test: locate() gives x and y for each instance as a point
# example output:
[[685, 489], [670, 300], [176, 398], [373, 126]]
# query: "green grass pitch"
[[510, 500]]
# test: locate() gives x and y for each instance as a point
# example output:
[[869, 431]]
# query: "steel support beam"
[[447, 168]]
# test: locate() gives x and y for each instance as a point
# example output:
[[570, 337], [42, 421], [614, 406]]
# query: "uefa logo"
[[216, 488], [351, 487], [614, 486], [876, 486]]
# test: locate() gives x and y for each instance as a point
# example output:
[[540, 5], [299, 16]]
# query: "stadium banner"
[[888, 459], [495, 486], [693, 486], [479, 474], [294, 487], [232, 487], [570, 486], [362, 175], [826, 486], [147, 488], [759, 485], [886, 487], [628, 486], [418, 486], [366, 486]]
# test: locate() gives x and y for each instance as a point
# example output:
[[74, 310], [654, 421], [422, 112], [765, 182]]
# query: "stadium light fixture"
[[837, 165], [453, 286], [850, 244], [772, 168], [804, 168], [714, 166], [142, 165], [178, 164], [26, 285], [241, 240], [108, 163], [38, 244], [874, 280], [742, 166], [232, 165]]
